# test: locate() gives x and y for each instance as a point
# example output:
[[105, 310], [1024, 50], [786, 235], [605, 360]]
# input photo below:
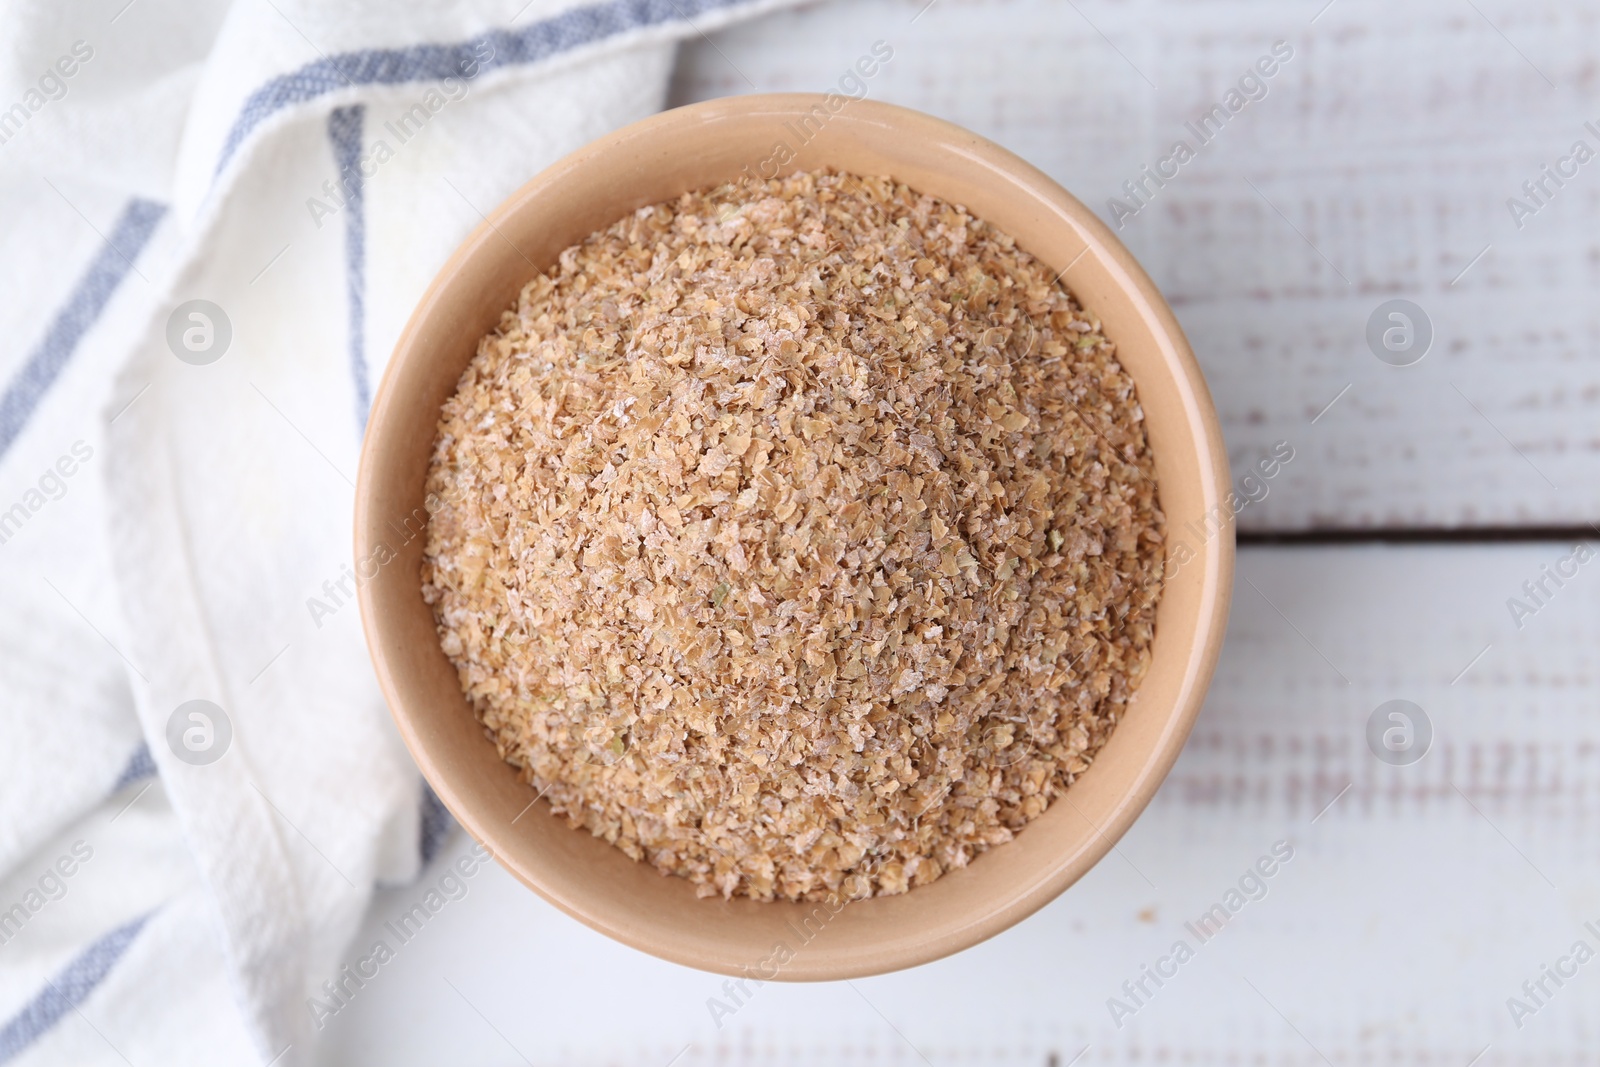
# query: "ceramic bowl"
[[656, 160]]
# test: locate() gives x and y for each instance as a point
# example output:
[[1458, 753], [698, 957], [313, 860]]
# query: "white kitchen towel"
[[216, 220]]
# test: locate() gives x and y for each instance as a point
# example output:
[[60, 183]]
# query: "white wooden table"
[[1421, 897]]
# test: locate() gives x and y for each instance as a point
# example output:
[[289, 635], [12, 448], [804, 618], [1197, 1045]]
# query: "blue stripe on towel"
[[139, 767], [89, 298], [437, 822], [434, 62], [344, 130], [67, 990]]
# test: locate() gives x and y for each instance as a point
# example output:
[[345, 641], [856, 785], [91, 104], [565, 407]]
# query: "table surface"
[[1419, 899]]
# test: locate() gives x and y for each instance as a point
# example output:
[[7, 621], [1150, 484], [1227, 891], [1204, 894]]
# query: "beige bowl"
[[658, 159]]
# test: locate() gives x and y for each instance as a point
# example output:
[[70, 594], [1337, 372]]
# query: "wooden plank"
[[1418, 898], [1378, 165]]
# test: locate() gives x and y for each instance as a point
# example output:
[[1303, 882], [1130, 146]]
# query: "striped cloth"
[[218, 218]]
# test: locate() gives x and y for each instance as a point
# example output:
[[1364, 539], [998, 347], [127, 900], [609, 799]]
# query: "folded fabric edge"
[[498, 53]]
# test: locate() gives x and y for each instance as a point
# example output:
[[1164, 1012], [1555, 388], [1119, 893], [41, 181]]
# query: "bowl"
[[658, 159]]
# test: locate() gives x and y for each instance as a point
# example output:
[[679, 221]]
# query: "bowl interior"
[[656, 160]]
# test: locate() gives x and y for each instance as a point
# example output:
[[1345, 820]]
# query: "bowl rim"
[[1215, 558]]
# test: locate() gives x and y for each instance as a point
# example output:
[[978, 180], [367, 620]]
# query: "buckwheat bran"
[[799, 537]]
